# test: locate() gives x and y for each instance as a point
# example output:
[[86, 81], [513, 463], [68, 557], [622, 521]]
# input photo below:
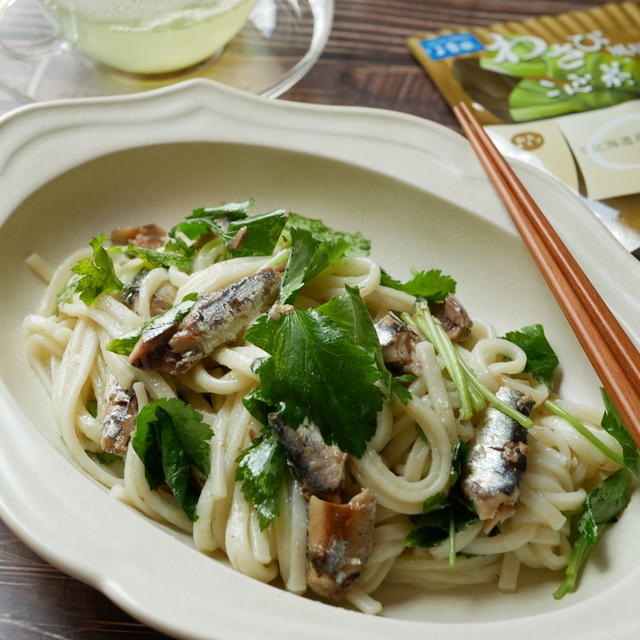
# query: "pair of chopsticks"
[[609, 349]]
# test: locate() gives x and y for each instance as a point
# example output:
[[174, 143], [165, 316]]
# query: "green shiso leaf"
[[311, 354], [170, 438], [261, 470]]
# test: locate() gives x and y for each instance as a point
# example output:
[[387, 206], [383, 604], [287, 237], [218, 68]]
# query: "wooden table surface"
[[365, 63]]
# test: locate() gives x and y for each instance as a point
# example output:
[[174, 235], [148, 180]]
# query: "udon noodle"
[[401, 468]]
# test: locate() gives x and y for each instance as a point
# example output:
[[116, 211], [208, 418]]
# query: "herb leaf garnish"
[[399, 392], [104, 457], [261, 470], [97, 276], [309, 256], [312, 354], [602, 507], [429, 285], [541, 358], [65, 295], [314, 247], [350, 314], [154, 259], [262, 233], [212, 219], [612, 424], [357, 244], [124, 345], [170, 438], [444, 512], [433, 526], [241, 234]]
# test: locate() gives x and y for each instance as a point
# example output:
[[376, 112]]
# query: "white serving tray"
[[71, 169]]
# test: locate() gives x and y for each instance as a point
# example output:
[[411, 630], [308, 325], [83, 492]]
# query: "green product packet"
[[560, 92]]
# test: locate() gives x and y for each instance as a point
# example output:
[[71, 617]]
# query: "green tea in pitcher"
[[149, 36]]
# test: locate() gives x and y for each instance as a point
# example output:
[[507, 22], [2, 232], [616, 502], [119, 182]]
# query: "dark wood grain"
[[37, 601], [365, 64]]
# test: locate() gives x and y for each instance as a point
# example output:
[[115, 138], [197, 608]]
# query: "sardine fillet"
[[453, 317], [318, 466], [215, 319], [339, 542], [497, 464], [218, 318], [398, 343], [119, 420]]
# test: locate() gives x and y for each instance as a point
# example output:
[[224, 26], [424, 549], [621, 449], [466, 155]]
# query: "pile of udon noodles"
[[402, 470]]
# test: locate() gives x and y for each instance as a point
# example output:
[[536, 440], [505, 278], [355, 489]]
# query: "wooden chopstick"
[[610, 351], [622, 346]]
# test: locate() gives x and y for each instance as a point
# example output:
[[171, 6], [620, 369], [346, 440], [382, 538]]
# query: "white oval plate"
[[69, 170]]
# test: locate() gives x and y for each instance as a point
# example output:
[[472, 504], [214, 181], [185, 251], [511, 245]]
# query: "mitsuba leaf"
[[170, 438], [314, 247], [357, 244], [313, 353], [65, 295], [309, 256], [146, 443], [443, 509], [103, 457], [97, 276], [154, 259], [429, 530], [612, 424], [541, 358], [435, 502], [262, 233], [212, 219], [429, 285], [433, 526], [603, 505], [461, 451], [261, 470], [178, 245], [92, 407], [124, 346], [421, 434], [242, 234], [405, 378], [399, 392]]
